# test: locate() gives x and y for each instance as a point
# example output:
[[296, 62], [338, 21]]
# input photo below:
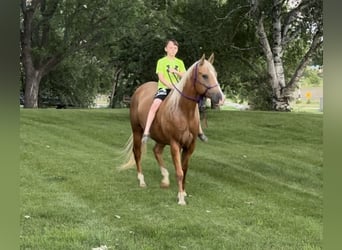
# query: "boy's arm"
[[164, 81], [179, 73]]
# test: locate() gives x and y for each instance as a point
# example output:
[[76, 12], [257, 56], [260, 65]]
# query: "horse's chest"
[[183, 129], [178, 124], [175, 126]]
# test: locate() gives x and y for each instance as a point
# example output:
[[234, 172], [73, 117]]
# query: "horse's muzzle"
[[217, 99]]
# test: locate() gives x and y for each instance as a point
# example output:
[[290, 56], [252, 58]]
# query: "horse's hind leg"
[[137, 156], [175, 152], [158, 153]]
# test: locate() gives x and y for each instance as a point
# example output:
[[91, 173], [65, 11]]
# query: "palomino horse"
[[176, 122]]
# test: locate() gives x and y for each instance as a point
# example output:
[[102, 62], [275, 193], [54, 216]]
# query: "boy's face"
[[171, 49]]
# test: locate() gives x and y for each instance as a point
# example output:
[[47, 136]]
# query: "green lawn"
[[256, 184], [313, 106]]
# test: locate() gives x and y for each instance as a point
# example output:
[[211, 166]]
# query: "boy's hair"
[[171, 40]]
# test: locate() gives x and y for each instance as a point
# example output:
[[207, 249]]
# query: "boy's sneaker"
[[145, 138], [203, 137]]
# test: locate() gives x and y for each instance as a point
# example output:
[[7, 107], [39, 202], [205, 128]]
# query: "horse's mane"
[[173, 99]]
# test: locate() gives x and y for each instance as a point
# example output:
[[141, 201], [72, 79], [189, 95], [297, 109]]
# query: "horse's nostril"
[[217, 99]]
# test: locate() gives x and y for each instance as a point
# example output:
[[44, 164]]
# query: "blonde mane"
[[173, 99]]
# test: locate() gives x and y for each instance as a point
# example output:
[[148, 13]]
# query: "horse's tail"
[[127, 153]]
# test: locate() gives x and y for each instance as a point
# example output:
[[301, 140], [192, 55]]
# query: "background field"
[[257, 184], [301, 103]]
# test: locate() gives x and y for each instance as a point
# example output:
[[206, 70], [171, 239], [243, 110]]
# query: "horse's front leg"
[[186, 154], [158, 153], [175, 152]]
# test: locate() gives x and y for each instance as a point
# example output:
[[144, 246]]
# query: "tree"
[[61, 40], [112, 46], [281, 24], [34, 69], [76, 80], [143, 32], [52, 30]]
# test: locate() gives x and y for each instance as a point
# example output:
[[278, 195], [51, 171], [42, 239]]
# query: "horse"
[[176, 122]]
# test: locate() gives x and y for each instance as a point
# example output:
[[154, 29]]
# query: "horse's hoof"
[[181, 200], [164, 185], [143, 185], [182, 203]]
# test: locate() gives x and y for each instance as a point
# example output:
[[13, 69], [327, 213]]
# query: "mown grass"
[[257, 184], [313, 106]]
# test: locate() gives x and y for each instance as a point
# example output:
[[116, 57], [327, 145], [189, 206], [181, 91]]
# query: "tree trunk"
[[32, 81], [280, 99], [32, 76], [33, 73], [115, 82], [275, 69]]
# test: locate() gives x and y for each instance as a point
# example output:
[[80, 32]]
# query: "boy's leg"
[[201, 135], [150, 117]]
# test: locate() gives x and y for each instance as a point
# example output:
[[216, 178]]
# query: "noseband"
[[200, 97]]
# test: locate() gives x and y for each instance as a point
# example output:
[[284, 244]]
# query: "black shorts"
[[162, 94]]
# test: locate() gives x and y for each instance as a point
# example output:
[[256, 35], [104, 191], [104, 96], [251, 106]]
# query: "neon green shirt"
[[163, 64]]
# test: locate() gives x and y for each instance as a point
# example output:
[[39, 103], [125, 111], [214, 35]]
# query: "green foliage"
[[261, 97], [252, 186], [256, 92], [77, 80], [127, 37], [311, 77], [317, 58], [293, 55]]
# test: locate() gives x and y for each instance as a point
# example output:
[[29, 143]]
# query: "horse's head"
[[205, 80]]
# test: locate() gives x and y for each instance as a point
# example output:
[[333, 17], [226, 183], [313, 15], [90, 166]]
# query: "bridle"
[[199, 98]]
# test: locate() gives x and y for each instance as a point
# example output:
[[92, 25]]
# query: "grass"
[[257, 184], [313, 106]]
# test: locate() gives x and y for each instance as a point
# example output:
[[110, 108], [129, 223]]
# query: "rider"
[[169, 69]]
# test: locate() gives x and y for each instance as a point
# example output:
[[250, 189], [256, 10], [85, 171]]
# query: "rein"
[[200, 97]]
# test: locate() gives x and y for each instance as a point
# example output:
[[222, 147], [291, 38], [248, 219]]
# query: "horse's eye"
[[205, 77]]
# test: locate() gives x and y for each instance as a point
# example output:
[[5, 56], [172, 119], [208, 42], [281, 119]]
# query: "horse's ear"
[[201, 61], [211, 58]]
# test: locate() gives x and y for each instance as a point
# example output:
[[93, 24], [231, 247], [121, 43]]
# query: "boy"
[[170, 70]]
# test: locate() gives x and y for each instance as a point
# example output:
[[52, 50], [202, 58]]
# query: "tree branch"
[[292, 16], [266, 49], [316, 43], [25, 35], [250, 65], [231, 12], [51, 63], [47, 14]]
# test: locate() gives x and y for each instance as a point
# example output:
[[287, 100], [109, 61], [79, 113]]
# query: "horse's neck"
[[188, 101]]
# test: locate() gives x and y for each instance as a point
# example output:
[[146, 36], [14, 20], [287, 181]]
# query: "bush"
[[311, 77], [261, 97]]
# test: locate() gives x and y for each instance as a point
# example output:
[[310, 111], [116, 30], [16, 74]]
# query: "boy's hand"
[[175, 71]]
